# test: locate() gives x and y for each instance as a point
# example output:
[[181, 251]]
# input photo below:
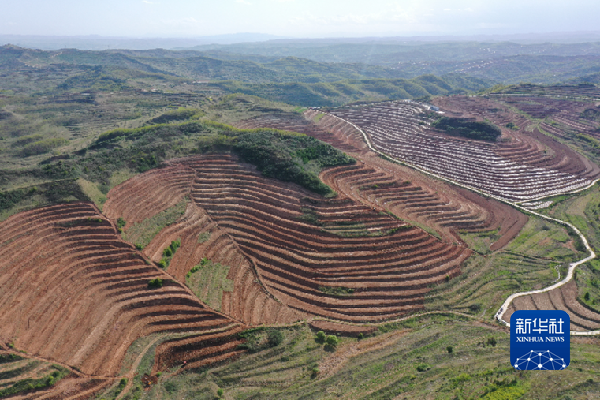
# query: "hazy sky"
[[298, 18]]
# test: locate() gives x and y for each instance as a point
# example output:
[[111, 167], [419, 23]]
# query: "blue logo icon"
[[540, 340]]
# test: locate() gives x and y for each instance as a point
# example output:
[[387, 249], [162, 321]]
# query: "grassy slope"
[[119, 154], [410, 361], [529, 262]]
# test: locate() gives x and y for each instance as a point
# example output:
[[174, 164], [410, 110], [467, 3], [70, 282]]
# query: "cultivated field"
[[334, 258], [519, 168], [80, 296], [433, 205]]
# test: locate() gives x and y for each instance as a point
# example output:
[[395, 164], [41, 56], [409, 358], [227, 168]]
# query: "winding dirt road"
[[572, 266]]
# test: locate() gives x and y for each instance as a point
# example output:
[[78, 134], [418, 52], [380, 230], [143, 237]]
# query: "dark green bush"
[[155, 283], [331, 340], [275, 337], [321, 337], [468, 128]]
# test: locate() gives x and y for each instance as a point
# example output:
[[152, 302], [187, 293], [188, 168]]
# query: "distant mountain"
[[390, 53], [106, 42]]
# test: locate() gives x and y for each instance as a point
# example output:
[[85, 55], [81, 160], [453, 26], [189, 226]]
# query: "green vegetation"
[[321, 337], [337, 93], [588, 285], [331, 341], [257, 339], [310, 216], [156, 283], [208, 281], [529, 262], [277, 154], [169, 253], [204, 237], [43, 146], [296, 369], [143, 232], [40, 375], [470, 129], [591, 114], [181, 114], [337, 291]]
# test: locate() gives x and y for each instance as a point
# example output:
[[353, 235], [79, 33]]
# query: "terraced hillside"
[[330, 257], [146, 196], [519, 168], [562, 298], [73, 292], [396, 189], [570, 120]]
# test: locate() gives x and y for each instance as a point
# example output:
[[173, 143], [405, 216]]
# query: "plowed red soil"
[[71, 291], [562, 298], [258, 226], [403, 191]]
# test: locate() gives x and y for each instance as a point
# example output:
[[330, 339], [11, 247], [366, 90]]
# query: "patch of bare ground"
[[337, 360], [74, 293]]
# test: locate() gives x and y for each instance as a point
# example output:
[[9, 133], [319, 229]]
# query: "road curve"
[[513, 296]]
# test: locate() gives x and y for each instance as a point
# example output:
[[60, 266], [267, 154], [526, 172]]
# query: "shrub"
[[155, 283], [175, 244], [275, 337], [587, 296], [167, 252], [450, 349], [492, 341], [139, 247], [423, 367], [468, 128], [121, 223], [170, 387], [331, 340], [361, 336], [220, 392], [321, 337], [314, 372]]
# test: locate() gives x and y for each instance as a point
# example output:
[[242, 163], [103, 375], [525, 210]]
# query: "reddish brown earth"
[[403, 191], [562, 298], [517, 169], [72, 292], [258, 223], [249, 301]]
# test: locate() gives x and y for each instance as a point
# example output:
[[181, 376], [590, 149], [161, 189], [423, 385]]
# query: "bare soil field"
[[402, 191], [518, 168], [330, 257], [73, 292]]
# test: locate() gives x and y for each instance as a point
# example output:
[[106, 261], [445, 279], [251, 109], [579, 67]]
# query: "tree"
[[331, 340], [450, 349], [155, 283], [321, 337], [275, 337]]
